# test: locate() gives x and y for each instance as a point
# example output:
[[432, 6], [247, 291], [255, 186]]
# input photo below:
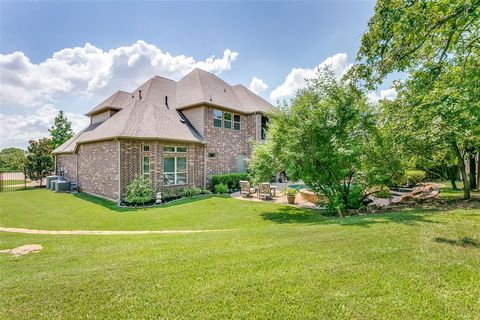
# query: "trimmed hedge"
[[231, 180]]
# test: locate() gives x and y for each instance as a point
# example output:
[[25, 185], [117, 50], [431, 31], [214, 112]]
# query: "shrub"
[[412, 177], [195, 191], [221, 188], [384, 193], [230, 180], [139, 191]]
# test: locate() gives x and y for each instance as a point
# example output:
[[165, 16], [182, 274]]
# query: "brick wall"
[[67, 164], [131, 162], [226, 144], [98, 168]]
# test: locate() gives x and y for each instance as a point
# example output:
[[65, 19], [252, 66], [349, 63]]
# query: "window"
[[217, 118], [146, 148], [236, 122], [174, 171], [146, 166], [175, 149], [241, 163], [264, 128], [227, 120]]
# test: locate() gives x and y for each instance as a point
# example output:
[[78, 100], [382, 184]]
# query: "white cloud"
[[388, 94], [296, 79], [257, 85], [32, 90], [16, 130]]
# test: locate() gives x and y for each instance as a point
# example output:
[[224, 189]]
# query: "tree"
[[61, 130], [437, 44], [405, 35], [39, 162], [325, 136], [12, 159], [262, 165]]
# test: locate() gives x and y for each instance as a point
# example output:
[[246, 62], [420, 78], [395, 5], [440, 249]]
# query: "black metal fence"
[[11, 181]]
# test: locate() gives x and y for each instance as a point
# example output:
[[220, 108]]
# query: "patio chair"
[[265, 190], [246, 189]]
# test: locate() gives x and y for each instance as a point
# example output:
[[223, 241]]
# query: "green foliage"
[[412, 177], [61, 130], [39, 161], [231, 180], [195, 191], [221, 188], [436, 43], [263, 164], [326, 137], [139, 191], [384, 193], [12, 159], [291, 192]]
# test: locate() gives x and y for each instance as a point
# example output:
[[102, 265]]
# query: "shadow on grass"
[[463, 242], [308, 216], [111, 205]]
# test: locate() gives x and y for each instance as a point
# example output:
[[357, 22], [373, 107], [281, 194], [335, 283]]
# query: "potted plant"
[[291, 193]]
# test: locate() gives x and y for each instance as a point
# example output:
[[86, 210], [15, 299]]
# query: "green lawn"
[[279, 262]]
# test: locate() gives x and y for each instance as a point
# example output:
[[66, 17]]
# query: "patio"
[[280, 197]]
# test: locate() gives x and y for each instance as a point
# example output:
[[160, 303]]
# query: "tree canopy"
[[39, 162], [61, 130], [12, 159]]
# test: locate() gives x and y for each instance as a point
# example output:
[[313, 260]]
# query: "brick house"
[[177, 133]]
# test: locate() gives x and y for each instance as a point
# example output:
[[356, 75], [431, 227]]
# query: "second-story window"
[[236, 122], [217, 118], [264, 128], [227, 120]]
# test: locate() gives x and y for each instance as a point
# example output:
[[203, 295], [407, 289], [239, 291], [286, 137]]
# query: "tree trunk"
[[461, 165], [473, 172], [453, 177]]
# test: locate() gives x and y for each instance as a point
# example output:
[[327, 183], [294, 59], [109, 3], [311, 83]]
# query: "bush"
[[384, 193], [412, 177], [195, 191], [230, 180], [221, 188], [139, 191]]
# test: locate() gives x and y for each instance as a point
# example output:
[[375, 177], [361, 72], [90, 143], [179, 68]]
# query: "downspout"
[[119, 172], [205, 165]]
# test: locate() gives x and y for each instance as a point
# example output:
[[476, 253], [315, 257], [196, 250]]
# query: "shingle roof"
[[115, 101], [151, 118]]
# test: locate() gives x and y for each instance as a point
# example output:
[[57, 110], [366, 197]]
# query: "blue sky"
[[266, 40]]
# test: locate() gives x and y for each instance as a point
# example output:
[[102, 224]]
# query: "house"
[[177, 133]]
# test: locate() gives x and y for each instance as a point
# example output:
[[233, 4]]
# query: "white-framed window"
[[236, 122], [173, 149], [146, 148], [146, 166], [217, 118], [227, 120], [174, 171]]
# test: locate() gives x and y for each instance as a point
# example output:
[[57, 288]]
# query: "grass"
[[280, 262], [448, 193], [7, 183]]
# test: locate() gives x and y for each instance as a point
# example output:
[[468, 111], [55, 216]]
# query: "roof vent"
[[224, 90], [211, 98], [166, 101], [139, 94], [182, 120]]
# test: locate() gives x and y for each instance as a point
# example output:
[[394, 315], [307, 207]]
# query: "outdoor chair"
[[246, 189], [265, 190]]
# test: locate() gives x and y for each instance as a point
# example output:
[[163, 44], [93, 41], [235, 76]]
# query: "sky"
[[71, 55]]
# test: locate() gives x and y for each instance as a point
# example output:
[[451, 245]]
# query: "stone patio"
[[279, 198]]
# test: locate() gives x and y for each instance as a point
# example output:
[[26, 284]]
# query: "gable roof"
[[153, 110]]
